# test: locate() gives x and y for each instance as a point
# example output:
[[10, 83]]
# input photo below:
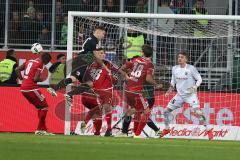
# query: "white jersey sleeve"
[[173, 79], [196, 75]]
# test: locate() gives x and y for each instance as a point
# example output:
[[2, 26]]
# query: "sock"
[[80, 89], [62, 83], [42, 113], [166, 119], [201, 117], [97, 123], [126, 122], [109, 121], [152, 125], [142, 123], [137, 117]]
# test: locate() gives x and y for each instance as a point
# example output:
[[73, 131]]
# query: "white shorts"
[[177, 101]]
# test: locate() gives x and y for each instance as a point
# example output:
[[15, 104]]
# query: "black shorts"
[[151, 101], [149, 94], [79, 70]]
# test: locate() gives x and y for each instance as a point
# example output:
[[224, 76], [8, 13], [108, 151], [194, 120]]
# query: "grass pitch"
[[31, 147]]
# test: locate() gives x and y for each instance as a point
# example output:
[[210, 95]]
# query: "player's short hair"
[[46, 57], [99, 49], [184, 54], [60, 56], [10, 52], [100, 28], [147, 50]]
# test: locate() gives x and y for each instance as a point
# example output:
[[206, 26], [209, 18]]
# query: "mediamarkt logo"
[[196, 132]]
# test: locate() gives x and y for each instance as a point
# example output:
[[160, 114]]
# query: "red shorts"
[[89, 100], [136, 100], [105, 96], [35, 97]]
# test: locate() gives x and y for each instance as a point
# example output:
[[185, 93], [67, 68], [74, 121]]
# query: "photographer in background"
[[58, 69]]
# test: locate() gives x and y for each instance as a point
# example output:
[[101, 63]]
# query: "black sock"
[[152, 125], [80, 89], [62, 83], [126, 122]]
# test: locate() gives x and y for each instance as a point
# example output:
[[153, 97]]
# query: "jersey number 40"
[[137, 70]]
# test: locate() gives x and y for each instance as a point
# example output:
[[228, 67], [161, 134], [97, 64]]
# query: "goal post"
[[212, 42]]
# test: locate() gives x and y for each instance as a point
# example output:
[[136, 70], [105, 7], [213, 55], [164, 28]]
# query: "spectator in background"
[[59, 9], [141, 7], [40, 22], [58, 20], [111, 6], [166, 26], [31, 13], [200, 29], [72, 5], [63, 40], [14, 28], [45, 6], [200, 26], [45, 36], [88, 5], [59, 24], [2, 22], [7, 68], [178, 7], [28, 26], [82, 35], [58, 69], [130, 6], [31, 4], [133, 43]]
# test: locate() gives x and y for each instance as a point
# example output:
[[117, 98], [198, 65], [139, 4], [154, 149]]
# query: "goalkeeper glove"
[[192, 89]]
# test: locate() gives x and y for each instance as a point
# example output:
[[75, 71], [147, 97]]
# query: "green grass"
[[31, 147]]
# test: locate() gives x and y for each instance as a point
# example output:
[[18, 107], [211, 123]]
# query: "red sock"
[[42, 113], [97, 123], [142, 123], [136, 121], [109, 121]]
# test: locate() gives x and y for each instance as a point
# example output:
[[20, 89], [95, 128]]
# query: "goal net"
[[212, 42]]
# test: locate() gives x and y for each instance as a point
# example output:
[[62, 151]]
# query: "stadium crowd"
[[31, 20]]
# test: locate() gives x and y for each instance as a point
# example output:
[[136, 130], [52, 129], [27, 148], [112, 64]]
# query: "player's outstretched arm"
[[170, 89], [123, 72], [198, 79], [18, 71], [150, 79], [37, 77]]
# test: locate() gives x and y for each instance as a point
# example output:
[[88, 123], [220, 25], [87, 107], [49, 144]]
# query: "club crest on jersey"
[[78, 73], [98, 46]]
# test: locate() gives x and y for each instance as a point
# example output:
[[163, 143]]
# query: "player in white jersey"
[[187, 79]]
